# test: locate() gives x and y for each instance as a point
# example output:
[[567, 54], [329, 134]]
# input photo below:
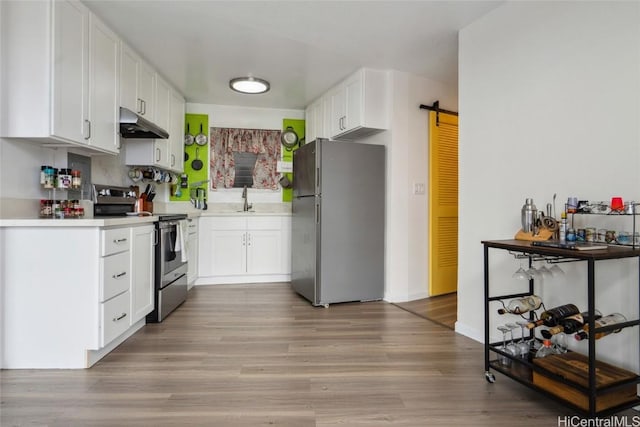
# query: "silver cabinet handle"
[[144, 107], [244, 239], [122, 316], [158, 157], [139, 106], [88, 127], [116, 276], [118, 241], [173, 160], [248, 239]]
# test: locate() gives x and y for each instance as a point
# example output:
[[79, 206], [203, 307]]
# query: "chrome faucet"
[[246, 206]]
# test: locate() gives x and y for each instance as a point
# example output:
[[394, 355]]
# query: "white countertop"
[[88, 222], [214, 209]]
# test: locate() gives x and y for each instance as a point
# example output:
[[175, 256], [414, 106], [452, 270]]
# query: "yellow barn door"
[[443, 204]]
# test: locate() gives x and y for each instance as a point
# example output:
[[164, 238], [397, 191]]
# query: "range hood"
[[135, 126]]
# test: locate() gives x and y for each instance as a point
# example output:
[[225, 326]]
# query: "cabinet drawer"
[[115, 275], [114, 316], [115, 240]]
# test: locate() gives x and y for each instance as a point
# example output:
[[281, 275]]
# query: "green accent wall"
[[287, 156], [193, 122]]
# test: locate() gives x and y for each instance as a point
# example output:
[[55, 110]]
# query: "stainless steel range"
[[171, 266]]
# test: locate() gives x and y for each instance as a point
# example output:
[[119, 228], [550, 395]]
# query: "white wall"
[[246, 118], [407, 163], [549, 103]]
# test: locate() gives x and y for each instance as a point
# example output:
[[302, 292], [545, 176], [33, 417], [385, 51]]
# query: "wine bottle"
[[570, 324], [552, 316], [611, 319], [522, 305]]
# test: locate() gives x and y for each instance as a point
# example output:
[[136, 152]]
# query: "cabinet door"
[[192, 251], [163, 101], [70, 65], [353, 100], [264, 252], [228, 255], [176, 132], [310, 123], [103, 87], [337, 103], [146, 91], [142, 263], [162, 157], [128, 78]]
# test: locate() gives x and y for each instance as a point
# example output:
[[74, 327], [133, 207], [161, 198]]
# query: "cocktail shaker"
[[528, 216]]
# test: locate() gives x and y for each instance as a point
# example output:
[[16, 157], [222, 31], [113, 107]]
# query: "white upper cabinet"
[[356, 107], [104, 63], [145, 92], [138, 84], [316, 120], [70, 36], [176, 132], [58, 80], [162, 103]]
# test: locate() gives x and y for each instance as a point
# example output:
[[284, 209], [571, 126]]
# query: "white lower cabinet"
[[192, 250], [70, 294], [142, 272], [236, 249]]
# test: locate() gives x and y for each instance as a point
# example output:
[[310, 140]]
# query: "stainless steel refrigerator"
[[338, 222]]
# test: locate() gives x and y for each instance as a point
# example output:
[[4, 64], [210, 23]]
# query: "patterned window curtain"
[[265, 143]]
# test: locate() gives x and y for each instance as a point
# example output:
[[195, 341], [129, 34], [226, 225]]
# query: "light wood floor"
[[257, 355], [442, 309]]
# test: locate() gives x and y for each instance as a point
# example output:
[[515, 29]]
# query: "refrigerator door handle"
[[317, 213], [317, 180]]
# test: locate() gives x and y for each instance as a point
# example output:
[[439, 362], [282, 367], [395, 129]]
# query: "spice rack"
[[585, 393], [631, 210], [54, 180]]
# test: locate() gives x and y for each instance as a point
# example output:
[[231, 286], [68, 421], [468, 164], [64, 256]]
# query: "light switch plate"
[[418, 188]]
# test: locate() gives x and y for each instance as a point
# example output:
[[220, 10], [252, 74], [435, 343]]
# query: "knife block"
[[147, 206]]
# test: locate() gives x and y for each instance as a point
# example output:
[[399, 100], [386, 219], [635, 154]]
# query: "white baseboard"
[[473, 333], [227, 280]]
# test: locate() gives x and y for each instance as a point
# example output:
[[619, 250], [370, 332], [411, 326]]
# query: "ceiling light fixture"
[[249, 85]]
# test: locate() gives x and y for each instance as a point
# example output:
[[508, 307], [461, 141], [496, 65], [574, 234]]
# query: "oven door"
[[170, 250]]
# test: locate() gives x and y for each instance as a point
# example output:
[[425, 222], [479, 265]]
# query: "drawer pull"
[[124, 239], [117, 276], [122, 316]]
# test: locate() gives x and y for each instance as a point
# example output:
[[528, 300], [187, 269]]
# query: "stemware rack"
[[586, 395]]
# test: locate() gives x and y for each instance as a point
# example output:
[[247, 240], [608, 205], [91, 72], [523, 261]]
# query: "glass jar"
[[46, 209], [76, 179], [64, 178], [49, 177]]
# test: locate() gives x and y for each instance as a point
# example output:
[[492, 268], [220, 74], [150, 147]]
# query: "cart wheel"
[[490, 377]]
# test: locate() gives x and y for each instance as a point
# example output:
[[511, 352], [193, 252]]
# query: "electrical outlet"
[[418, 188]]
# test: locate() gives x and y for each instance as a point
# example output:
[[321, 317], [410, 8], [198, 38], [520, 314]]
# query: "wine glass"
[[521, 274], [504, 360], [532, 272], [545, 272], [560, 343], [523, 345], [556, 271], [512, 347]]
